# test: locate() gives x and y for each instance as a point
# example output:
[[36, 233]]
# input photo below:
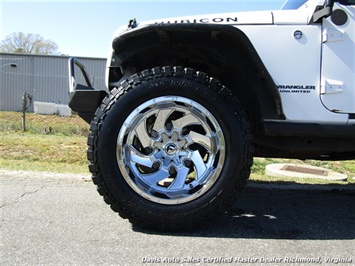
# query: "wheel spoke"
[[180, 179], [153, 179], [161, 118], [140, 158], [142, 134], [185, 121], [201, 139], [198, 162]]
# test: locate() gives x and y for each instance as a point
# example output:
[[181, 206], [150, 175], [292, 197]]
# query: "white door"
[[338, 60]]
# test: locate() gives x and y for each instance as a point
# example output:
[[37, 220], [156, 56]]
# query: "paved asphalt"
[[58, 220]]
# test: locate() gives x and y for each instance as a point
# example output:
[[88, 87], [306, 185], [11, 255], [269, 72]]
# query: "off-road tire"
[[215, 148]]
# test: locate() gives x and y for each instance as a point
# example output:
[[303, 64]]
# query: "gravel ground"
[[38, 175], [72, 178]]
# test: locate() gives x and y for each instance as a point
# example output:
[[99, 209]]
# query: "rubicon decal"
[[226, 20], [296, 88]]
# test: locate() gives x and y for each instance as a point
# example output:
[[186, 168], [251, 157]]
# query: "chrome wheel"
[[170, 150]]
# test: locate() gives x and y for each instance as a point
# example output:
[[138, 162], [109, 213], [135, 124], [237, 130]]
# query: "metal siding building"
[[44, 77]]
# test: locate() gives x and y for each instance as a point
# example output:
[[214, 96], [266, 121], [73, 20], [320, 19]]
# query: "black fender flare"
[[142, 46]]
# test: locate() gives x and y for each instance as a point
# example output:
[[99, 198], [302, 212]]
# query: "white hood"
[[236, 18], [300, 16]]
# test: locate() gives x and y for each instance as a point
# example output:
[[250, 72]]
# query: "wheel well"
[[224, 53]]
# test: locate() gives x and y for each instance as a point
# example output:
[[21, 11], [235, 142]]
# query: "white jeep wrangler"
[[191, 100]]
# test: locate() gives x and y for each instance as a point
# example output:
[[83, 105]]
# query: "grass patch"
[[51, 143], [57, 153], [343, 167], [44, 124], [58, 144]]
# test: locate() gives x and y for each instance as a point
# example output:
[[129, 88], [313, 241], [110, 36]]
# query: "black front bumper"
[[84, 99]]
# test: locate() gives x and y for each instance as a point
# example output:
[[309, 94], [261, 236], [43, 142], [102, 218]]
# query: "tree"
[[28, 44]]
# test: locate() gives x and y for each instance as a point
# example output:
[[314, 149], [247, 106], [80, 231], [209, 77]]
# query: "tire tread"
[[128, 85]]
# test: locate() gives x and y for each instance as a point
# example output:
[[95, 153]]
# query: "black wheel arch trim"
[[231, 41]]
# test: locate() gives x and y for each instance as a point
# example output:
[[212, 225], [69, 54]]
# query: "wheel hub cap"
[[171, 149]]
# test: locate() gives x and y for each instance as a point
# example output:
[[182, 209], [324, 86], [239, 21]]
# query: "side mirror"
[[327, 9]]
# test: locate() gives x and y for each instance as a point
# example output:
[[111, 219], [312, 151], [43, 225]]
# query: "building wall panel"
[[45, 78]]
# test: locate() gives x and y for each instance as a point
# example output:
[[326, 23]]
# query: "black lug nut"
[[169, 126], [172, 171], [154, 134], [156, 165], [188, 163]]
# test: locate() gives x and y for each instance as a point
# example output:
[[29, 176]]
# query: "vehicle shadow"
[[268, 213]]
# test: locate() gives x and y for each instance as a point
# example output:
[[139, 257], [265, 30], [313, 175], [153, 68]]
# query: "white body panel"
[[338, 63], [292, 63]]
